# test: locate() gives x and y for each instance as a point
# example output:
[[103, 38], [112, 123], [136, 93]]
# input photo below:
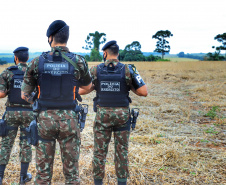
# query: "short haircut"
[[62, 36], [113, 49], [22, 56]]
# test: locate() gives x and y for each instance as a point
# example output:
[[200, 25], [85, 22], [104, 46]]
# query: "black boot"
[[25, 179], [122, 183], [98, 181], [2, 170]]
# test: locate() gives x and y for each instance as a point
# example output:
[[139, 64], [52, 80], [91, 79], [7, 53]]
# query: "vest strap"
[[69, 60]]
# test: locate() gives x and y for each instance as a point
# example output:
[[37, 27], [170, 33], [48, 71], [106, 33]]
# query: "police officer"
[[112, 81], [18, 114], [57, 75]]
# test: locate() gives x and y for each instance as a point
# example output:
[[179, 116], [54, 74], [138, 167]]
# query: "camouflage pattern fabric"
[[63, 126], [108, 118], [57, 124], [19, 119]]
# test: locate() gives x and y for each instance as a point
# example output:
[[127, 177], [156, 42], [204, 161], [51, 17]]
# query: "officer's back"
[[57, 75]]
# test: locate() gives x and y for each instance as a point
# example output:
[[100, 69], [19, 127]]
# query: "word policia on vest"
[[110, 86]]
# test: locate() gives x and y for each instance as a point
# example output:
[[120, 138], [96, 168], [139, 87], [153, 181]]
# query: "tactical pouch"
[[32, 133]]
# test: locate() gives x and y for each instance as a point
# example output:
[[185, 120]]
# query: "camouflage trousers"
[[20, 119], [63, 126], [110, 120]]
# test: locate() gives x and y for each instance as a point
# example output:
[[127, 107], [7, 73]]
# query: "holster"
[[95, 104], [4, 129], [134, 116], [82, 116], [32, 133]]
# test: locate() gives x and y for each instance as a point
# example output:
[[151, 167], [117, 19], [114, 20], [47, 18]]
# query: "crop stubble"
[[174, 142]]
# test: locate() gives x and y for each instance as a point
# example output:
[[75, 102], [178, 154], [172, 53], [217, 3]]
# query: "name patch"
[[110, 86], [56, 68], [17, 83]]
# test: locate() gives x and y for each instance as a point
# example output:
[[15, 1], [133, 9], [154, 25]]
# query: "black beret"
[[55, 27], [108, 44], [20, 49]]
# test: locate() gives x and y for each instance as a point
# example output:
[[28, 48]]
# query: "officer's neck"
[[112, 57], [19, 62], [58, 44]]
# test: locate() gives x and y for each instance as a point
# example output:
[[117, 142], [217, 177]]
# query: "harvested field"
[[180, 134]]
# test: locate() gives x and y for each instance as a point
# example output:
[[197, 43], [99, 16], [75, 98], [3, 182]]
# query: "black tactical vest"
[[57, 85], [112, 90], [15, 86]]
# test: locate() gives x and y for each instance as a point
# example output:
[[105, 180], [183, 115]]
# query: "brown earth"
[[174, 142]]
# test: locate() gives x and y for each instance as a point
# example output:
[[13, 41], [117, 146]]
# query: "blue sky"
[[194, 23]]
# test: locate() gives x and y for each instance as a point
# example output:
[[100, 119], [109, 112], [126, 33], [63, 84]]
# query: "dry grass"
[[174, 142]]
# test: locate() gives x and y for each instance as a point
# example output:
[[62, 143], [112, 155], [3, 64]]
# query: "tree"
[[162, 44], [132, 52], [135, 46], [87, 58], [181, 54], [2, 62], [95, 55], [222, 39], [93, 42], [214, 56]]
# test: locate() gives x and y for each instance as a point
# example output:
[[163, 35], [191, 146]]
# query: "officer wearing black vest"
[[112, 81], [18, 114], [57, 75]]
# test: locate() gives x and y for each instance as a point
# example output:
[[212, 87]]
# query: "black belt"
[[18, 109]]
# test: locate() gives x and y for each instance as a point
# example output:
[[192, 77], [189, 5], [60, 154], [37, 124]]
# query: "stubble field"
[[180, 134]]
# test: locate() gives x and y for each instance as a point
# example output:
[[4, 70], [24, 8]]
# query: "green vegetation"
[[162, 44], [2, 62], [93, 42], [212, 113], [199, 56], [216, 56], [132, 52], [211, 130]]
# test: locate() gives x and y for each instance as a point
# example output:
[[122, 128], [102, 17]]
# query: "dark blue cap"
[[20, 49], [108, 44], [55, 27]]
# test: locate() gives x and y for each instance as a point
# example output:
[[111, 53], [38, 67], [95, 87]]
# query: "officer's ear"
[[16, 59], [50, 38], [105, 53]]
